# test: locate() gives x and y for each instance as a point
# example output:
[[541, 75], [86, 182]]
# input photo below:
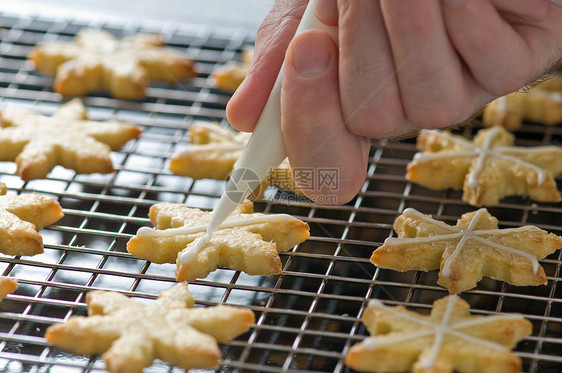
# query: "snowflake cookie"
[[38, 143], [20, 218], [96, 60], [487, 168], [467, 252], [449, 339], [131, 334], [246, 241]]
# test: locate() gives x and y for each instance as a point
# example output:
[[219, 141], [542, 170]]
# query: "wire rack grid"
[[307, 317]]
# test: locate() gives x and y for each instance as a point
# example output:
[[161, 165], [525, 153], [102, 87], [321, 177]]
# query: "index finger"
[[274, 35]]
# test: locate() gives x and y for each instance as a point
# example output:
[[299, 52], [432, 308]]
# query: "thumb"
[[329, 163]]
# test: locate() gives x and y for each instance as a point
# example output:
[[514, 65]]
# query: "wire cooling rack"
[[307, 317]]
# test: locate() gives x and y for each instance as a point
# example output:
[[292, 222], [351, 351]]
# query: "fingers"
[[370, 96], [326, 11], [501, 57], [434, 89], [316, 138], [274, 35], [529, 10]]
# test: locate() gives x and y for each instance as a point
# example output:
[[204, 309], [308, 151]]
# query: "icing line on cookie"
[[420, 156], [378, 304], [529, 256], [475, 340], [411, 212], [382, 340], [466, 235], [188, 254], [152, 232], [440, 331], [483, 320], [541, 173], [483, 153]]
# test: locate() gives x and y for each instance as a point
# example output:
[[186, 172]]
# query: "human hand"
[[400, 66]]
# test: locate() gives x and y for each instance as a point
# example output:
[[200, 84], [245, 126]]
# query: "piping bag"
[[264, 151]]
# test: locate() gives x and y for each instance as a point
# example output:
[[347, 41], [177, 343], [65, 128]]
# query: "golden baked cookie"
[[213, 152], [229, 76], [475, 247], [38, 143], [130, 334], [540, 104], [96, 60], [21, 216], [7, 285], [246, 241], [448, 339], [487, 168]]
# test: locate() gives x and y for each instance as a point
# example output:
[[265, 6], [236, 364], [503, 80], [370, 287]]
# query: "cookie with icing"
[[21, 216], [540, 104], [213, 153], [130, 334], [97, 60], [448, 339], [37, 143], [7, 285], [475, 247], [487, 168], [246, 241]]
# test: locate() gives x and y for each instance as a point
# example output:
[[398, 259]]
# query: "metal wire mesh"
[[307, 317]]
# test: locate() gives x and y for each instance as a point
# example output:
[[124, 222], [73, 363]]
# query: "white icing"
[[483, 153], [403, 315], [374, 342], [465, 234], [483, 320], [531, 149], [410, 212], [424, 157], [189, 253], [109, 46], [502, 104], [396, 240], [478, 341], [440, 331], [151, 232]]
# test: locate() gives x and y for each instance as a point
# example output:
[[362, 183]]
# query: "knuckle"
[[502, 84], [442, 115], [376, 121], [540, 10]]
